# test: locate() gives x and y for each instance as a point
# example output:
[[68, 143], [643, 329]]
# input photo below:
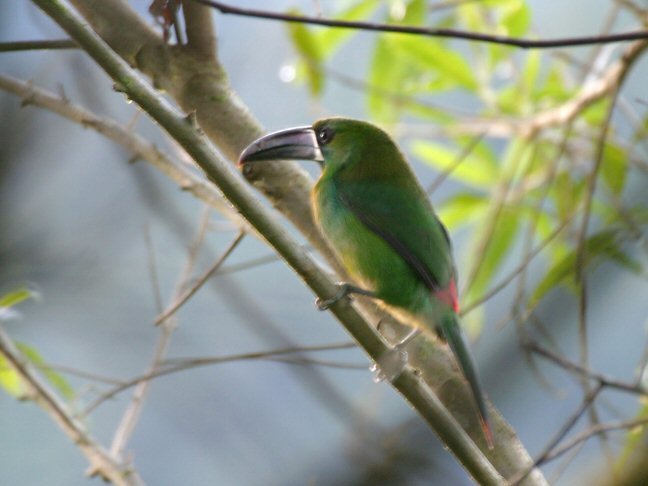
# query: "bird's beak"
[[294, 143]]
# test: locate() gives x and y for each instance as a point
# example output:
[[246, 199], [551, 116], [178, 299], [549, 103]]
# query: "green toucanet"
[[380, 223]]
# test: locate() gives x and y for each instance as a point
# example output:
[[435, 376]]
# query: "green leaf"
[[431, 56], [462, 209], [566, 193], [386, 73], [531, 71], [596, 113], [516, 18], [634, 439], [510, 102], [472, 16], [16, 297], [10, 381], [614, 168], [12, 299], [54, 378], [475, 169], [500, 242], [310, 53], [329, 40], [415, 12], [554, 88], [600, 246]]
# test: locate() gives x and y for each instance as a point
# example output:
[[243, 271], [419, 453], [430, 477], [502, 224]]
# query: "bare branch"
[[199, 28], [142, 148], [38, 45]]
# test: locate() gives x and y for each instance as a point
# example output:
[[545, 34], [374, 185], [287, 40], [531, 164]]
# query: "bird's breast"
[[369, 260]]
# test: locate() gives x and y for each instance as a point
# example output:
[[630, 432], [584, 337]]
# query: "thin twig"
[[581, 257], [132, 413], [200, 281], [519, 269], [142, 148], [431, 32], [182, 364], [592, 431], [115, 470], [564, 430], [588, 373]]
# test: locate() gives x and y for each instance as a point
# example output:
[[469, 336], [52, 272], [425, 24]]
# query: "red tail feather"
[[488, 433]]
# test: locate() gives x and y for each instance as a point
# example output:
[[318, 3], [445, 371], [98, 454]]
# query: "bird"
[[380, 223]]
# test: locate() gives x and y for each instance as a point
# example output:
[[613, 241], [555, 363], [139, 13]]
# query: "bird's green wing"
[[403, 217]]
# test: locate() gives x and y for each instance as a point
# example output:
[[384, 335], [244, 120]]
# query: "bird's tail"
[[451, 332]]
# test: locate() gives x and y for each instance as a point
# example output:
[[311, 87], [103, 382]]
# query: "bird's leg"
[[393, 362], [344, 289]]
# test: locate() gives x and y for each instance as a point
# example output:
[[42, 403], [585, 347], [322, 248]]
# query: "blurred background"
[[80, 224]]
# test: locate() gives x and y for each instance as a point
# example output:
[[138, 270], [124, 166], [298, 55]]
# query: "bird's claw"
[[325, 304]]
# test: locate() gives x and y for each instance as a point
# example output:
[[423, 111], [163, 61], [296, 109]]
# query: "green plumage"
[[378, 219], [380, 223]]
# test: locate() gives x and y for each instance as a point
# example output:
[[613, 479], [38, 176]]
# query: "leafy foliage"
[[9, 379]]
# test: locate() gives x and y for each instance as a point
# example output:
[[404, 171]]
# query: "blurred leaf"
[[604, 244], [391, 72], [510, 101], [475, 169], [503, 236], [554, 88], [516, 158], [566, 193], [473, 322], [10, 381], [471, 15], [431, 56], [462, 209], [55, 379], [329, 40], [634, 439], [596, 113], [614, 168], [386, 73], [15, 297], [415, 11], [516, 18], [12, 299], [531, 71], [309, 50]]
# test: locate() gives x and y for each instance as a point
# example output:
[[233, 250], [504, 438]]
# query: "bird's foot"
[[392, 363], [344, 289]]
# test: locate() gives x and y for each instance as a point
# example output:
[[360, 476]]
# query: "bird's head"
[[336, 143]]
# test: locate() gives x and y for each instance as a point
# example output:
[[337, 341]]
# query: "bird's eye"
[[325, 135]]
